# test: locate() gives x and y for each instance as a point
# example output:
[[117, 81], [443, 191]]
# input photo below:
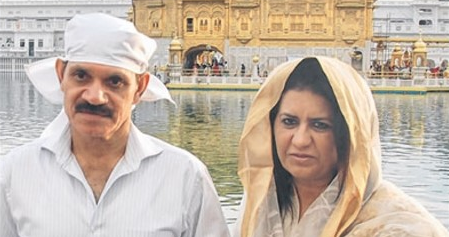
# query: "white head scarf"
[[102, 39]]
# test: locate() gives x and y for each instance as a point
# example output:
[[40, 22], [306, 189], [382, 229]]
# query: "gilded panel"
[[283, 23], [351, 14], [277, 7], [318, 8], [298, 8]]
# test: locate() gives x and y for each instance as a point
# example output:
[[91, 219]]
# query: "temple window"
[[189, 25], [203, 25], [217, 24], [425, 22], [425, 10], [155, 24]]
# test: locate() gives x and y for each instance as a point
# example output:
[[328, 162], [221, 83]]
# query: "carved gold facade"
[[261, 27]]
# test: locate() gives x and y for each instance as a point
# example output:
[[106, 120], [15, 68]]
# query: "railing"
[[420, 78], [13, 67], [406, 75], [227, 80], [420, 82], [213, 72], [213, 76]]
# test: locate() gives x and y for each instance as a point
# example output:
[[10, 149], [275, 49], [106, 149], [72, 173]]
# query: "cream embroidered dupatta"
[[255, 159]]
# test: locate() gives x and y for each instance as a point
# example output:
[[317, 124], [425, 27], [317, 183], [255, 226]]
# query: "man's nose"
[[95, 94]]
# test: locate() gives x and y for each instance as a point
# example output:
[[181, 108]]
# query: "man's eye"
[[116, 81], [80, 75]]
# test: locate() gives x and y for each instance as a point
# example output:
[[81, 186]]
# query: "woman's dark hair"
[[308, 75]]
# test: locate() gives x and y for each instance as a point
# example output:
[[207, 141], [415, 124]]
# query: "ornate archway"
[[202, 56]]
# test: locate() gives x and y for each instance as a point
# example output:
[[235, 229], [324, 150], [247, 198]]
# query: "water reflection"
[[208, 124], [415, 143], [414, 135]]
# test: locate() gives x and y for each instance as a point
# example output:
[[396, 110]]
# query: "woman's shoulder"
[[391, 212], [388, 198]]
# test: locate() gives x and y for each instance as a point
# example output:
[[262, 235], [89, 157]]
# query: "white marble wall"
[[44, 21]]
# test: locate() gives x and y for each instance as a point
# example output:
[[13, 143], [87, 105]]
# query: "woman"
[[309, 160]]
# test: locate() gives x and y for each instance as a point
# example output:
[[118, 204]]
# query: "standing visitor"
[[226, 68], [310, 160], [95, 173], [242, 70]]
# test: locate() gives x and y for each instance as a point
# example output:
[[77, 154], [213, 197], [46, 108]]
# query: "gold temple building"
[[256, 32]]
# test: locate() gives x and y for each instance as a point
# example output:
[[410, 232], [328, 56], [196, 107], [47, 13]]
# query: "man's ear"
[[142, 84], [60, 67]]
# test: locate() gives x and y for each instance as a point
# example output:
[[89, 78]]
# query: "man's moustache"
[[100, 110]]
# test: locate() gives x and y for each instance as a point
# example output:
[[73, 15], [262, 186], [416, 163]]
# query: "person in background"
[[92, 172], [310, 160], [242, 70]]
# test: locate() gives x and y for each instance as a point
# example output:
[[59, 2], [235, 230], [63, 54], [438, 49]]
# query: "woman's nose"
[[302, 137]]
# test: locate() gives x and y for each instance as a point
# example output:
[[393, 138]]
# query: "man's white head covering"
[[102, 39]]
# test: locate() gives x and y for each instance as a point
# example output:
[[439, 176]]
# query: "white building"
[[35, 28], [401, 22]]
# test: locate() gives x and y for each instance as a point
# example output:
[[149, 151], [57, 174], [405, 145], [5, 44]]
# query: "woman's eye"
[[289, 121], [321, 125]]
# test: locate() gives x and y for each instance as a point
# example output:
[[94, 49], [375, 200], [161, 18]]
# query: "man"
[[95, 173]]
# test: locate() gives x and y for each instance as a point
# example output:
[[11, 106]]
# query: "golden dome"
[[420, 46], [397, 50], [175, 44], [397, 47], [256, 59]]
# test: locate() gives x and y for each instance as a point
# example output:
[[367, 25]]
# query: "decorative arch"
[[203, 13], [189, 13], [195, 52], [217, 10]]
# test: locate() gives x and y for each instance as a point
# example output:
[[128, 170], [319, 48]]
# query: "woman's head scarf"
[[355, 100]]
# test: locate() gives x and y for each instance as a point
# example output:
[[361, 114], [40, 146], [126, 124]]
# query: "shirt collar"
[[138, 147], [59, 143]]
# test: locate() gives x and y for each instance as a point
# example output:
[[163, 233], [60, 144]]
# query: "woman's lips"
[[301, 157]]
